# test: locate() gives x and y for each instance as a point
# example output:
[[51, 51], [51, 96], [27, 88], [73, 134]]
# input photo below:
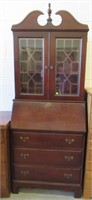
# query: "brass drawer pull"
[[68, 176], [51, 67], [24, 172], [24, 155], [69, 158], [25, 138], [46, 67], [69, 141]]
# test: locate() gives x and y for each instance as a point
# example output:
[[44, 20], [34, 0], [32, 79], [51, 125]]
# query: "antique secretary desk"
[[48, 125]]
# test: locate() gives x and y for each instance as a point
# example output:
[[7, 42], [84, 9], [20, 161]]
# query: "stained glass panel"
[[68, 66], [31, 63]]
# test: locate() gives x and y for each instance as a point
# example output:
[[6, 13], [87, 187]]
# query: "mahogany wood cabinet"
[[4, 154], [88, 166], [48, 125]]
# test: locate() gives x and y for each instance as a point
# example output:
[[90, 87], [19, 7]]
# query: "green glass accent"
[[38, 89], [24, 56], [38, 66], [74, 56], [31, 65], [61, 56], [22, 43], [60, 44], [68, 46], [38, 44], [31, 43], [38, 55], [23, 66], [23, 88], [24, 77], [76, 44]]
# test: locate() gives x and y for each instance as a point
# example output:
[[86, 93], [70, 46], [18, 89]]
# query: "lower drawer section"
[[40, 173]]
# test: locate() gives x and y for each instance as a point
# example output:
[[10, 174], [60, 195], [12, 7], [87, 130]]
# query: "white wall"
[[13, 12]]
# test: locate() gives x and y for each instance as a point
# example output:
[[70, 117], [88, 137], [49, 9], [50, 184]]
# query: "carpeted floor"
[[35, 194]]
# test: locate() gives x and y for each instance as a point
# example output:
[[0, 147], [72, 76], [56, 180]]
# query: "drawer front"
[[51, 174], [48, 157], [47, 140]]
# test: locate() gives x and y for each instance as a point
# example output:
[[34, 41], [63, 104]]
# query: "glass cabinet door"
[[49, 69], [31, 64], [68, 66]]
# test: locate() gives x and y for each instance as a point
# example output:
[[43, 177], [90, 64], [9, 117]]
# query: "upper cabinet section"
[[50, 60]]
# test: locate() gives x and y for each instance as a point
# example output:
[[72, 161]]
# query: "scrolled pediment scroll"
[[64, 21]]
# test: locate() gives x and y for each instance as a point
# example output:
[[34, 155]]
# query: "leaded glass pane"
[[23, 67], [68, 66], [31, 63]]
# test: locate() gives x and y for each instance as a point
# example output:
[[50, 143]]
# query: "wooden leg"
[[78, 193], [15, 189]]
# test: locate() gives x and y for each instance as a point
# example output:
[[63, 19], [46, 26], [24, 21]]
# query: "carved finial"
[[49, 13]]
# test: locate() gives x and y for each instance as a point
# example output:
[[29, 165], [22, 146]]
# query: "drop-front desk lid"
[[48, 116]]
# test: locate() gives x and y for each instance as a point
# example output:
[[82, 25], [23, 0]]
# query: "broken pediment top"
[[68, 22]]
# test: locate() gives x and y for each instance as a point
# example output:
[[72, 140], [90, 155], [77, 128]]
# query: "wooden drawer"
[[47, 140], [48, 157], [52, 174]]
